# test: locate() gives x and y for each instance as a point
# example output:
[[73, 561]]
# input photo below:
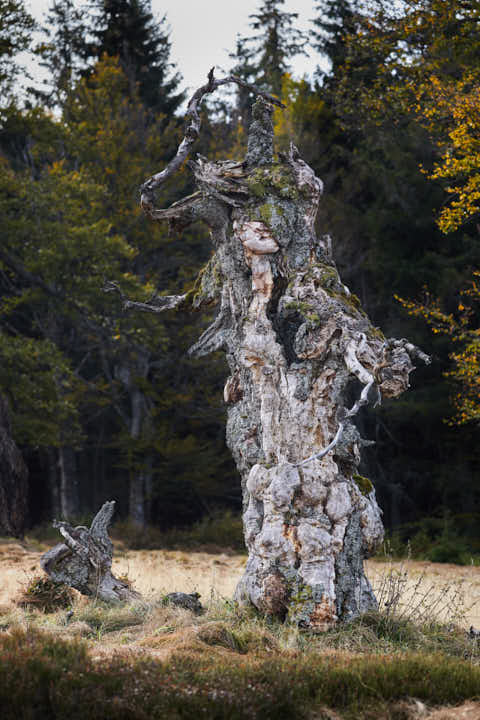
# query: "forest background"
[[107, 404]]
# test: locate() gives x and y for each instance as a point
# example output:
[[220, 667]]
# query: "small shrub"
[[221, 531], [421, 600], [220, 634], [448, 550], [450, 538], [45, 594], [397, 630], [103, 618]]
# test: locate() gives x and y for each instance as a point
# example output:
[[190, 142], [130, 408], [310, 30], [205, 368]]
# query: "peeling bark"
[[84, 559], [295, 339]]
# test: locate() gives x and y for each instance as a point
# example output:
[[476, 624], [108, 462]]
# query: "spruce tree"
[[128, 29], [245, 69], [66, 51], [275, 43], [16, 26], [334, 23]]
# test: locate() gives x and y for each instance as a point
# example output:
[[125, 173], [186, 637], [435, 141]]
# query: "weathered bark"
[[84, 560], [297, 342], [13, 479]]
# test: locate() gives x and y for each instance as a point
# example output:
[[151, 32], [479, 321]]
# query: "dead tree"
[[13, 479], [295, 338], [84, 559]]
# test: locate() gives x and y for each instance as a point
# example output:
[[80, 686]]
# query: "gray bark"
[[296, 340], [84, 559], [13, 479]]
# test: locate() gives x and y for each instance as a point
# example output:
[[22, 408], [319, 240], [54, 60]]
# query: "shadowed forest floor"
[[413, 659]]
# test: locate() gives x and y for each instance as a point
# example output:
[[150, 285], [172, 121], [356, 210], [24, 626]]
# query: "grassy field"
[[412, 659]]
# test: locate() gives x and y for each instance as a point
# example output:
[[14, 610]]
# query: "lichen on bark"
[[294, 337]]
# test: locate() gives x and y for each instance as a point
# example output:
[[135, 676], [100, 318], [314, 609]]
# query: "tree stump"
[[297, 341], [84, 560]]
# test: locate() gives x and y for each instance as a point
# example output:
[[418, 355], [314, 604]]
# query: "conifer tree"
[[128, 29], [334, 23], [66, 49], [16, 26], [275, 43], [245, 69]]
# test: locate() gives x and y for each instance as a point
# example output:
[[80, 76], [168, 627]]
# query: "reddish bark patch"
[[323, 616], [290, 532]]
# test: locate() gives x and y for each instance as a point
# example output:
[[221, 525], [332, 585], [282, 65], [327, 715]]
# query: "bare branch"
[[357, 369], [192, 132], [157, 305], [326, 450]]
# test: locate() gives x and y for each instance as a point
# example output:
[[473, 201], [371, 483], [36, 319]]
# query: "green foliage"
[[448, 539], [16, 26], [42, 389], [127, 29], [64, 51], [264, 58], [364, 484], [334, 23], [221, 530]]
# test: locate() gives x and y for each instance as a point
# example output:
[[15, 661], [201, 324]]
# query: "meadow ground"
[[146, 660]]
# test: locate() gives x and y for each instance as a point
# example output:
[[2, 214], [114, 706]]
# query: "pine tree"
[[128, 29]]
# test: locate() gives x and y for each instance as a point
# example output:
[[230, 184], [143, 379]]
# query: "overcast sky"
[[204, 31]]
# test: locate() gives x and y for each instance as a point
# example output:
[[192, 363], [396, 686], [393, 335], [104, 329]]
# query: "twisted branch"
[[368, 380], [156, 303], [192, 132]]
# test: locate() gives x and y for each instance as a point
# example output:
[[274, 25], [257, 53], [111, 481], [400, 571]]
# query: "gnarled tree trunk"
[[84, 559], [296, 339], [13, 479]]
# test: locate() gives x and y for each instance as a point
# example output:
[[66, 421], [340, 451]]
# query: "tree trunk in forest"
[[52, 479], [69, 496], [13, 479], [84, 560], [138, 422], [297, 343]]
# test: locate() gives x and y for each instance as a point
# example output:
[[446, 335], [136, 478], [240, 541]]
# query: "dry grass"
[[237, 644], [423, 585]]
